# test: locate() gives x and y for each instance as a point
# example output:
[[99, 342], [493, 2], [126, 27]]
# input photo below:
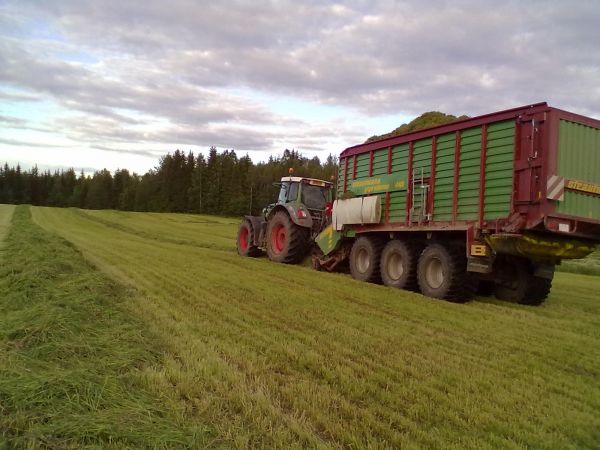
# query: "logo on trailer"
[[555, 188], [582, 186]]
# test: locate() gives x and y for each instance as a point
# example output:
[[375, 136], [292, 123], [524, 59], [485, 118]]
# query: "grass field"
[[166, 325], [589, 265], [6, 212]]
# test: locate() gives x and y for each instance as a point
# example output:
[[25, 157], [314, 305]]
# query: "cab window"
[[288, 192], [315, 197], [293, 192]]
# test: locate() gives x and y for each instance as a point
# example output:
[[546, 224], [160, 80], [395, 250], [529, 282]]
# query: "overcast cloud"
[[122, 81]]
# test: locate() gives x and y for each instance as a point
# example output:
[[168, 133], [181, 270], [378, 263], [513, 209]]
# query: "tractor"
[[287, 229]]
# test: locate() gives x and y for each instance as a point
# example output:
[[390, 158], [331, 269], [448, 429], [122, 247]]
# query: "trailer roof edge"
[[446, 128]]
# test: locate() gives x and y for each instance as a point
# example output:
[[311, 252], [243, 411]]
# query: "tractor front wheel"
[[286, 242]]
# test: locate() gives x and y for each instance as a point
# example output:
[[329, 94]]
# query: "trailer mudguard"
[[328, 240]]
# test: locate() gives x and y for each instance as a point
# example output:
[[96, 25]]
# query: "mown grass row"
[[186, 229], [282, 356], [589, 265], [6, 212], [73, 356]]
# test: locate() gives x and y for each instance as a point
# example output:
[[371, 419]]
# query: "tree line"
[[220, 183]]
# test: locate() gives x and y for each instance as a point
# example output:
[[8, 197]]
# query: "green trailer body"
[[487, 173], [523, 182]]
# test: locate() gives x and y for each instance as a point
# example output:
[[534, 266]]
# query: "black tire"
[[485, 288], [442, 273], [365, 257], [514, 276], [538, 291], [399, 260], [286, 242], [244, 243]]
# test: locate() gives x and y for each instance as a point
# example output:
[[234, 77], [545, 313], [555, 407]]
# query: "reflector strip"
[[555, 188]]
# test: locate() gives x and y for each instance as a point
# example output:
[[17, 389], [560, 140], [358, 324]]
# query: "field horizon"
[[154, 317]]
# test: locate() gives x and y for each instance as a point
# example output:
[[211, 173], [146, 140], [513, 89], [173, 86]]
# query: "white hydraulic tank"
[[359, 210]]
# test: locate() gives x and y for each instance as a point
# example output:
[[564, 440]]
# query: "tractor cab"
[[314, 194], [304, 198]]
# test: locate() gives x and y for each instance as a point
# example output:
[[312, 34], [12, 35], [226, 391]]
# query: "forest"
[[219, 183]]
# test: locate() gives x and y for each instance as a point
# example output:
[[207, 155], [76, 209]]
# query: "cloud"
[[18, 97], [148, 153], [20, 143], [12, 121], [178, 72]]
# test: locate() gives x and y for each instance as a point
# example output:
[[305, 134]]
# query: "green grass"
[[6, 212], [278, 356], [589, 265], [74, 358], [186, 229], [264, 355]]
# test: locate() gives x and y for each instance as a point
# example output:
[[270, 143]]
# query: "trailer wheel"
[[399, 265], [286, 242], [442, 273], [485, 288], [513, 279], [244, 243], [365, 258], [538, 290]]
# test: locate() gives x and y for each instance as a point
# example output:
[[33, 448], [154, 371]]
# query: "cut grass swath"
[[73, 358], [6, 212]]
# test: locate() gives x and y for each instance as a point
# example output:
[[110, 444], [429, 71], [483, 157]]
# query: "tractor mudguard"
[[259, 226], [305, 222]]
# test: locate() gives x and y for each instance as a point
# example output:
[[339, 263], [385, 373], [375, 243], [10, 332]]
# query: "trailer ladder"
[[419, 196]]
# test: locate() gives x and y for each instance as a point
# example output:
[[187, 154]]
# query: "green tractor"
[[287, 229]]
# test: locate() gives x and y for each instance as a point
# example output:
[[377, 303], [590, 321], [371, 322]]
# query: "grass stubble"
[[250, 354]]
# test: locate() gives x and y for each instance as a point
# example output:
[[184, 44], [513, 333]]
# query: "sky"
[[116, 84]]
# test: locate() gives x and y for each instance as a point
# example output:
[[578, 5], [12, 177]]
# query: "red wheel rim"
[[244, 238], [278, 238]]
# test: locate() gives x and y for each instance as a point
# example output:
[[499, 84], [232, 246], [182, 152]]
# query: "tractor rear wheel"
[[442, 273], [365, 258], [399, 265], [245, 246], [286, 242]]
